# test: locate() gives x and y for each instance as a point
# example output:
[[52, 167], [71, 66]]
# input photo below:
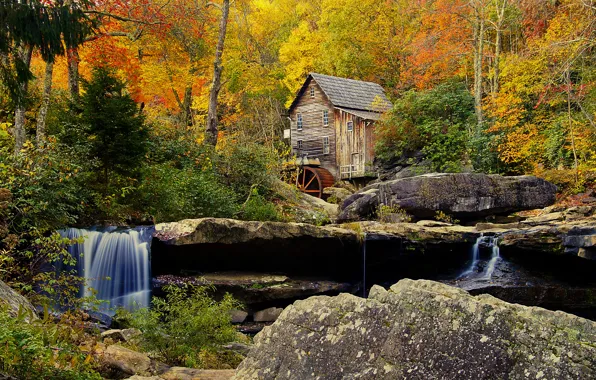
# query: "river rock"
[[120, 362], [337, 194], [125, 335], [238, 316], [421, 330], [465, 196], [15, 302], [180, 373], [268, 315]]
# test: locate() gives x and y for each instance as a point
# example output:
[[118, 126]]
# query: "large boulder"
[[466, 196], [15, 303], [421, 330]]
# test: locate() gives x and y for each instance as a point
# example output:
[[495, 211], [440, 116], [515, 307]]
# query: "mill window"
[[312, 91], [326, 145], [299, 121], [325, 118], [350, 126], [300, 144]]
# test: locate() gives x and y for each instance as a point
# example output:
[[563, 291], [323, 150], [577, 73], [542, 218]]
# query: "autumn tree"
[[50, 27], [211, 130]]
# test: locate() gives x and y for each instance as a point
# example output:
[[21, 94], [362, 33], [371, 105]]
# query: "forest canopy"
[[499, 86]]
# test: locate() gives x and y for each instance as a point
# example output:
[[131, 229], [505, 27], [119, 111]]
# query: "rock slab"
[[421, 330], [15, 302], [466, 196]]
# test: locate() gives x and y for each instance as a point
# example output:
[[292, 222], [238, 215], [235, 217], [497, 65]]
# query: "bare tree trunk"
[[73, 59], [45, 103], [211, 131], [497, 61], [501, 7], [478, 58], [19, 115], [570, 119]]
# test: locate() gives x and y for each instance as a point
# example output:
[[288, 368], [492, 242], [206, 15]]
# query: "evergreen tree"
[[114, 126]]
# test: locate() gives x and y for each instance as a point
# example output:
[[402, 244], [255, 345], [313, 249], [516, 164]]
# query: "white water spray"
[[496, 256], [490, 241], [475, 258], [115, 264]]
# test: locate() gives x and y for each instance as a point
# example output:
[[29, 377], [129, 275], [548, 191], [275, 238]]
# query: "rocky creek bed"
[[545, 259]]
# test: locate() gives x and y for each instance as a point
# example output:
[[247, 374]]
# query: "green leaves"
[[40, 349], [435, 123], [185, 323]]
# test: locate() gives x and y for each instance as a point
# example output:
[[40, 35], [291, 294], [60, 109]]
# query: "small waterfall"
[[475, 257], [496, 255], [487, 241], [115, 264]]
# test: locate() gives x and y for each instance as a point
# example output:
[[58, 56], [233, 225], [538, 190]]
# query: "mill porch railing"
[[356, 171]]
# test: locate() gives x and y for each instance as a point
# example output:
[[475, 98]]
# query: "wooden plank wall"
[[370, 143], [351, 143], [313, 130]]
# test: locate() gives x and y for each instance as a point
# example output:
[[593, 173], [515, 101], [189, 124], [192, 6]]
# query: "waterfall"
[[115, 263], [496, 255], [489, 241], [475, 257]]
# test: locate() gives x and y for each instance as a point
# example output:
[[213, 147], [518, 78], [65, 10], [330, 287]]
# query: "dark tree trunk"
[[73, 59], [211, 131], [186, 106], [45, 103], [19, 116]]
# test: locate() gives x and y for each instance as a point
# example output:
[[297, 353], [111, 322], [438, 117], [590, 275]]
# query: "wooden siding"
[[353, 147], [313, 130]]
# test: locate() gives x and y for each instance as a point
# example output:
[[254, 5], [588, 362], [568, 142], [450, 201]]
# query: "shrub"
[[392, 214], [443, 217], [41, 349], [169, 193], [258, 208], [244, 166], [185, 326], [40, 192], [435, 122]]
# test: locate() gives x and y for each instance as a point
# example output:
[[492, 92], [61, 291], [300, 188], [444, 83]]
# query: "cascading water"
[[496, 255], [475, 257], [486, 274], [115, 263]]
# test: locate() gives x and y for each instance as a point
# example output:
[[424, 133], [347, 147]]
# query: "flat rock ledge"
[[421, 330], [231, 231]]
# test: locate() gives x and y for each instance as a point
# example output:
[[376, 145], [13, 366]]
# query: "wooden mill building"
[[332, 122]]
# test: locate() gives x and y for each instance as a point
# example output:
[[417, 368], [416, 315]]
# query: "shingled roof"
[[349, 93]]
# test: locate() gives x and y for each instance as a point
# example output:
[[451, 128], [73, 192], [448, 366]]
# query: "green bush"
[[186, 326], [171, 194], [435, 122], [244, 166], [258, 208], [40, 192], [41, 350]]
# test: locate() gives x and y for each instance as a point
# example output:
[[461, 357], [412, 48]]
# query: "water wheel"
[[312, 180]]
